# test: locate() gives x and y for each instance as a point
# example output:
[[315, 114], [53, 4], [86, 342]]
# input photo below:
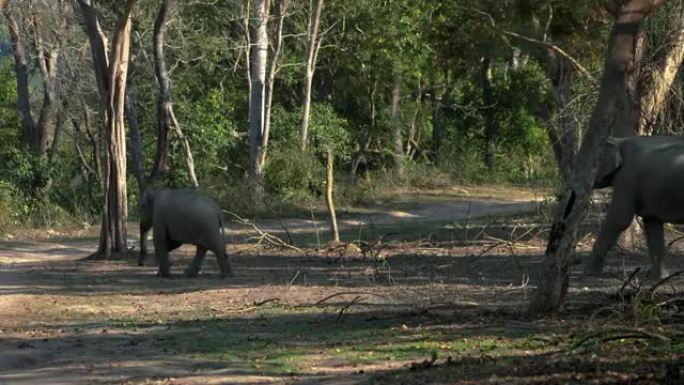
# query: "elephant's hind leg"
[[224, 263], [196, 265], [656, 247], [618, 219]]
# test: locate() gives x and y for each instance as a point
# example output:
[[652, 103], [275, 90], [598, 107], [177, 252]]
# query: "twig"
[[558, 50], [664, 280], [349, 292], [293, 278], [628, 280], [622, 334], [347, 306]]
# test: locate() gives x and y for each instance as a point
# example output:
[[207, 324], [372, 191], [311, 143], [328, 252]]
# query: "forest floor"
[[438, 298]]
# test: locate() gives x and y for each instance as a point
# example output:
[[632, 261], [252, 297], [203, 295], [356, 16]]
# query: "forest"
[[388, 192]]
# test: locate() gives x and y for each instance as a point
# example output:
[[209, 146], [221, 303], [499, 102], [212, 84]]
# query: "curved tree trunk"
[[311, 57]]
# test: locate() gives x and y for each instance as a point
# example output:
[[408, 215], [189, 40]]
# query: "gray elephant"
[[178, 217], [647, 175]]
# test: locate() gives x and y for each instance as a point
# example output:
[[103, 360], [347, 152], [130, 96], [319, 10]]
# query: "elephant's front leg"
[[656, 247], [619, 217], [196, 265], [144, 229]]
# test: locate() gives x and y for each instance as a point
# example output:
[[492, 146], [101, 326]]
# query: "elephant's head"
[[611, 163]]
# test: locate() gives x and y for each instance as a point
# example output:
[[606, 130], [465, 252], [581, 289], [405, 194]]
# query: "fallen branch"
[[264, 236], [628, 281], [349, 293]]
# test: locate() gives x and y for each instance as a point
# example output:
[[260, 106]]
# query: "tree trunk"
[[257, 103], [330, 177], [656, 80], [111, 80], [491, 126], [565, 134], [273, 69], [134, 139], [311, 56], [613, 102], [395, 119], [166, 119]]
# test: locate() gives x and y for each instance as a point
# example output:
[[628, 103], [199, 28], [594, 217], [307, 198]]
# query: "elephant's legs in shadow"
[[656, 247], [618, 219], [196, 265]]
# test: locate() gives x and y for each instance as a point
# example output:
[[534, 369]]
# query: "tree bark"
[[111, 80], [257, 102], [398, 150], [134, 139], [311, 58], [613, 102]]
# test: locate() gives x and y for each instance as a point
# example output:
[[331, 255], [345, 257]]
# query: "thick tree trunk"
[[491, 126], [613, 102], [111, 80], [395, 119], [311, 56], [257, 102]]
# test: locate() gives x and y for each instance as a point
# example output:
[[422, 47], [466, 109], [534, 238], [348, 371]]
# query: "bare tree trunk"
[[656, 80], [111, 80], [330, 177], [395, 119], [134, 138], [361, 154], [273, 69], [166, 119], [491, 126], [413, 127], [311, 57], [613, 101], [257, 102], [565, 138]]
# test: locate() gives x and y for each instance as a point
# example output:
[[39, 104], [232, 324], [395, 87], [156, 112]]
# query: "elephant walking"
[[178, 217], [647, 175]]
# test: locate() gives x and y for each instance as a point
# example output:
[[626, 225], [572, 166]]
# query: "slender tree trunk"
[[273, 69], [613, 101], [311, 56], [111, 72], [491, 126], [134, 138], [398, 151], [329, 188], [166, 120], [413, 127], [564, 135], [257, 102]]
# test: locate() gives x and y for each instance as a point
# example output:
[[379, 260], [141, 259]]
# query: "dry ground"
[[445, 305]]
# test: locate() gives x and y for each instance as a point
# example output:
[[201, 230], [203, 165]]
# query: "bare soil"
[[445, 308]]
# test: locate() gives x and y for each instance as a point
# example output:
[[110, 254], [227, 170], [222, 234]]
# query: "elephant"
[[182, 217], [647, 175]]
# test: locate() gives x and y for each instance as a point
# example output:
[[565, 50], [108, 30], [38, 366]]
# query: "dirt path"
[[299, 318]]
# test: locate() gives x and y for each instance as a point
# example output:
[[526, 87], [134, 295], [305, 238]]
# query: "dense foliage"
[[435, 49]]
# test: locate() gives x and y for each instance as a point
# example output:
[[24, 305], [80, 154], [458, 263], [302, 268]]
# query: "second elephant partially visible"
[[182, 217], [647, 175]]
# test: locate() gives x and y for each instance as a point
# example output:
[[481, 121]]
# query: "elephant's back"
[[189, 217]]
